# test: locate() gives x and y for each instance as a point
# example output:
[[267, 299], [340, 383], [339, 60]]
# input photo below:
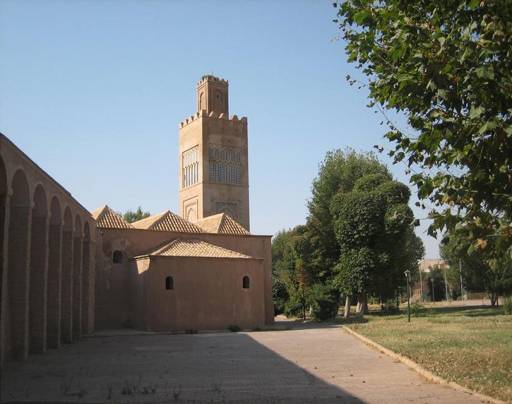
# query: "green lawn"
[[470, 346]]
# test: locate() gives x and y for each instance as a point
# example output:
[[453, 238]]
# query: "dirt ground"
[[302, 365]]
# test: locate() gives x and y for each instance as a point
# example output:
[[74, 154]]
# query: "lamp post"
[[433, 292], [446, 292], [407, 276], [421, 287], [461, 287]]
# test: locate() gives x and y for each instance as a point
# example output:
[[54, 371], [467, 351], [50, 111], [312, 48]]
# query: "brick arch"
[[3, 252], [38, 271], [53, 301], [87, 283], [18, 275], [40, 200], [77, 278], [20, 190], [66, 324]]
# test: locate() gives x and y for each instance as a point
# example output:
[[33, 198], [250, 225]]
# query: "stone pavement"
[[320, 365]]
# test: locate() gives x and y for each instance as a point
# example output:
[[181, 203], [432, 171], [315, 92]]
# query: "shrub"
[[507, 305], [417, 309], [324, 302], [389, 307], [234, 328]]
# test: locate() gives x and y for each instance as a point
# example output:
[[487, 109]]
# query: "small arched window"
[[246, 282], [117, 257], [169, 283]]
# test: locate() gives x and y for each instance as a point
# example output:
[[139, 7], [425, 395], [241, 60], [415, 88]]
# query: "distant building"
[[422, 289], [426, 265]]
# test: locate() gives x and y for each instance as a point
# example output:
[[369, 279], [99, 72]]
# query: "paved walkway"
[[321, 365]]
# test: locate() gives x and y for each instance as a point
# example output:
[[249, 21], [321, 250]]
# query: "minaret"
[[213, 173]]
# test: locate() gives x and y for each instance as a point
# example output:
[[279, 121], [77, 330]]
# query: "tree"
[[338, 172], [290, 251], [139, 214], [374, 228], [280, 264], [353, 274], [294, 291], [488, 268], [447, 67], [324, 301]]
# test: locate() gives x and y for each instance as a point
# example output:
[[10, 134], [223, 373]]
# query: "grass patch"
[[470, 346]]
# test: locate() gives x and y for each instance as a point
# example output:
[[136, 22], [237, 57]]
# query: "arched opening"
[[201, 101], [77, 279], [87, 283], [219, 102], [66, 304], [3, 255], [169, 283], [38, 272], [246, 282], [117, 257], [54, 293], [191, 215], [18, 276]]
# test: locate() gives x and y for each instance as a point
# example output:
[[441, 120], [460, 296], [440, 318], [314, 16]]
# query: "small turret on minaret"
[[212, 95]]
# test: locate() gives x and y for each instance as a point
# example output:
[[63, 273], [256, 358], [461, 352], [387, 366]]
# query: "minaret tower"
[[213, 173]]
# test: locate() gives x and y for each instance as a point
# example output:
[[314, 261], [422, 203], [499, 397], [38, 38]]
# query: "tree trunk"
[[346, 311], [494, 298], [361, 304]]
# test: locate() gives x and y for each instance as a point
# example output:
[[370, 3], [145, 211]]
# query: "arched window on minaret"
[[201, 102]]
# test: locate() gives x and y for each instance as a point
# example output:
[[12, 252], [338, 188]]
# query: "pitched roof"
[[195, 248], [105, 217], [221, 223], [167, 221]]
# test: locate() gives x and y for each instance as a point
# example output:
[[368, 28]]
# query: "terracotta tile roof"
[[210, 224], [106, 218], [167, 221], [221, 223], [195, 248], [229, 225]]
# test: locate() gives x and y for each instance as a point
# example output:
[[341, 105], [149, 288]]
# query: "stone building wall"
[[46, 266], [117, 283], [206, 293]]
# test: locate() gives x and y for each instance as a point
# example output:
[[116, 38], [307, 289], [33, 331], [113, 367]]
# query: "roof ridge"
[[115, 221], [232, 226], [167, 221], [165, 247], [154, 217], [221, 221], [96, 213], [160, 218], [195, 247]]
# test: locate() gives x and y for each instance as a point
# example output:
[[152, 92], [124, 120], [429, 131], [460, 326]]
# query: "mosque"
[[66, 272]]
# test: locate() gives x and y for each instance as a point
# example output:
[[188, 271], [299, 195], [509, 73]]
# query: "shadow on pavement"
[[228, 367]]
